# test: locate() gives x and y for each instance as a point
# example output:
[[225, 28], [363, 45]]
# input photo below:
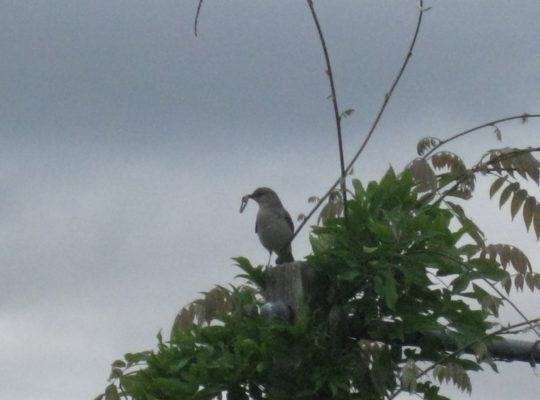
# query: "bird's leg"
[[269, 258]]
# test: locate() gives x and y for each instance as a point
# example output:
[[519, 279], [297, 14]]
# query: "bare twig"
[[387, 97], [197, 17], [337, 115], [476, 128]]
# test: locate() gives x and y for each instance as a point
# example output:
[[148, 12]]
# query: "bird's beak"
[[244, 202]]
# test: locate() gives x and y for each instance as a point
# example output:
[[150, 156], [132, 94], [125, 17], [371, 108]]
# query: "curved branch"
[[197, 17], [337, 115], [523, 117], [387, 97]]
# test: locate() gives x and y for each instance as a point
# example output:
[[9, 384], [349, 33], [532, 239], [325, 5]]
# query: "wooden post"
[[289, 286]]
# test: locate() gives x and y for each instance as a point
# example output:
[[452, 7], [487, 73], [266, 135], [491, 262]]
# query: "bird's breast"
[[273, 230]]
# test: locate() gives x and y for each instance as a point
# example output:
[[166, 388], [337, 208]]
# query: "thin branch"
[[513, 305], [463, 348], [509, 155], [487, 336], [337, 115], [476, 128], [439, 279], [387, 97], [197, 17], [464, 265]]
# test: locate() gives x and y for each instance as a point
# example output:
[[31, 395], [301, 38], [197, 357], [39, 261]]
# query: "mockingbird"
[[273, 225]]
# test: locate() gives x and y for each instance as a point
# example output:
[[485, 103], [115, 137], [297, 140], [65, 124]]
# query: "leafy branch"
[[459, 181], [499, 293]]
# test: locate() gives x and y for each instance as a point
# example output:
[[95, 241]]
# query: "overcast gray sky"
[[126, 144]]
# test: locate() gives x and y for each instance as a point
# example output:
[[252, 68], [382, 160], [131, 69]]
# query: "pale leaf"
[[426, 144], [517, 201], [508, 190], [536, 220], [528, 211], [496, 185], [518, 281], [529, 280], [423, 175]]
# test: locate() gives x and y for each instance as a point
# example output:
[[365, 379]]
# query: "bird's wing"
[[288, 219]]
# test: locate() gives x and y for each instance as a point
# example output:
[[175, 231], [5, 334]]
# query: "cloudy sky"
[[126, 144]]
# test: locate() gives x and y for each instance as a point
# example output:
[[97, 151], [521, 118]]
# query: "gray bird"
[[273, 225]]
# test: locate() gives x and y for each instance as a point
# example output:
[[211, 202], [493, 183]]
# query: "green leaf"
[[382, 375], [488, 269], [385, 286], [181, 364], [134, 358], [254, 274], [382, 231], [320, 242], [388, 180], [358, 188], [118, 364], [460, 283], [469, 227], [349, 275], [469, 250], [111, 393], [369, 250], [115, 373]]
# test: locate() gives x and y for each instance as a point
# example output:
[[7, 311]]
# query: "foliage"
[[382, 270], [382, 263], [394, 271], [241, 354]]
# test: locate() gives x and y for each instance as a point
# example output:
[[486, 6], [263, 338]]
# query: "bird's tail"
[[285, 256]]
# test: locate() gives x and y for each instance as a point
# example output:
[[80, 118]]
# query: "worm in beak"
[[244, 202]]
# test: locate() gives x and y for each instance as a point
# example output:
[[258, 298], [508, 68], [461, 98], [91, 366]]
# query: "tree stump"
[[288, 286]]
